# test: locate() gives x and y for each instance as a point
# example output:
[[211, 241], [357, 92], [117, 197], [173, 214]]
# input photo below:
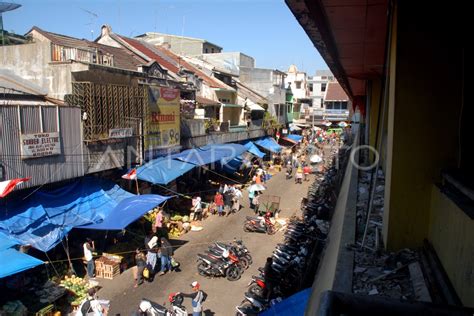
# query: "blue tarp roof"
[[128, 211], [294, 305], [251, 148], [222, 153], [45, 218], [269, 144], [16, 262], [6, 242], [294, 137], [233, 165], [163, 170]]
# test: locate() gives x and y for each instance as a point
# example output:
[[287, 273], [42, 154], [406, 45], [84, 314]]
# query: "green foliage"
[[269, 121]]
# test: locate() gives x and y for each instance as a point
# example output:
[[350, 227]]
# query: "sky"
[[263, 29]]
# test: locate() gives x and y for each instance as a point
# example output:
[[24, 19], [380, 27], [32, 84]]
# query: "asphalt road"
[[223, 295]]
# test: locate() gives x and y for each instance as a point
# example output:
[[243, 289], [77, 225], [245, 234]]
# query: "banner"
[[40, 145], [162, 124]]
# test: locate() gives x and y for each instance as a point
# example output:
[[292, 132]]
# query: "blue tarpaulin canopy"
[[163, 170], [233, 165], [222, 153], [16, 262], [251, 148], [294, 137], [294, 305], [269, 144], [128, 211], [45, 218]]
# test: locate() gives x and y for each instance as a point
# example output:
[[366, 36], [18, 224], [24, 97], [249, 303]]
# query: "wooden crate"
[[106, 268]]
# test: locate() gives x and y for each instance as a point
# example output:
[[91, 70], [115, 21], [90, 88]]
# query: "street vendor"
[[89, 247], [197, 208]]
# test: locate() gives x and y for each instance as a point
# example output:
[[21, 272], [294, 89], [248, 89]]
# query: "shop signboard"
[[120, 132], [40, 145], [162, 124]]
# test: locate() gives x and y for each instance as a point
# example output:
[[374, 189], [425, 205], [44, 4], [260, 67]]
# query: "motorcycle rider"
[[198, 296], [270, 277]]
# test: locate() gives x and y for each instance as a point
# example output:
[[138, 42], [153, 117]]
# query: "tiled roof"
[[151, 53], [122, 58], [334, 92], [170, 60]]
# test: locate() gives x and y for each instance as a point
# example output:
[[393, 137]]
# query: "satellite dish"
[[6, 6]]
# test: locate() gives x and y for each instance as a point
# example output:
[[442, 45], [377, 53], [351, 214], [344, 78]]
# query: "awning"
[[294, 127], [294, 137], [128, 211], [294, 305], [269, 144], [229, 105], [289, 140], [205, 101], [233, 165], [251, 148], [222, 153], [163, 170], [254, 107], [16, 262], [46, 217]]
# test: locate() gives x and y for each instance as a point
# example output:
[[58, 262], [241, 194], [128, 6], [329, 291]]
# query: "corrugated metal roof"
[[170, 60], [206, 101], [246, 92], [334, 92], [122, 58]]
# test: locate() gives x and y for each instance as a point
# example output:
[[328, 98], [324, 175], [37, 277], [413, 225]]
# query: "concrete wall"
[[32, 62], [423, 120], [452, 236], [336, 267], [219, 138], [192, 128]]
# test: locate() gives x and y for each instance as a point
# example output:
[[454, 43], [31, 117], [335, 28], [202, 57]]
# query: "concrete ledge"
[[221, 138], [336, 267]]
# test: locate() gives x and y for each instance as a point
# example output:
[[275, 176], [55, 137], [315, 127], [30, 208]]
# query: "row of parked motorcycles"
[[228, 260], [293, 259]]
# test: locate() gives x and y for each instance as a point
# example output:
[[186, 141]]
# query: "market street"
[[223, 295]]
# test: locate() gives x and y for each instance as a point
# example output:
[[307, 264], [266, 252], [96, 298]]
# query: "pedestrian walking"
[[270, 278], [166, 253], [237, 197], [299, 175], [197, 208], [140, 260], [219, 201], [197, 298], [256, 202], [251, 196], [91, 305], [158, 225], [228, 201], [89, 247], [151, 245], [306, 172]]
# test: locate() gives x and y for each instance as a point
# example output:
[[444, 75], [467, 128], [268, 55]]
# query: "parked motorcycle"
[[260, 225], [149, 308], [227, 266]]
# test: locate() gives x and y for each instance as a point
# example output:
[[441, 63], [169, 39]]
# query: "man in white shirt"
[[88, 249]]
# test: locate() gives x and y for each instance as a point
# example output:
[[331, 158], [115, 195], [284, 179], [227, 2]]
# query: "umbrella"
[[342, 124], [317, 128], [256, 187], [328, 124], [315, 159]]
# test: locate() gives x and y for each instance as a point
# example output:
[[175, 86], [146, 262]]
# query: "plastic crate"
[[107, 268]]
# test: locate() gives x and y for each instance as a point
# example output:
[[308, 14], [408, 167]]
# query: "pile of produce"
[[77, 286], [180, 225]]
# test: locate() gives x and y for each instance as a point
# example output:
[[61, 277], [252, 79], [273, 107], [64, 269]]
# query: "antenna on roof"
[[4, 7], [92, 22]]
